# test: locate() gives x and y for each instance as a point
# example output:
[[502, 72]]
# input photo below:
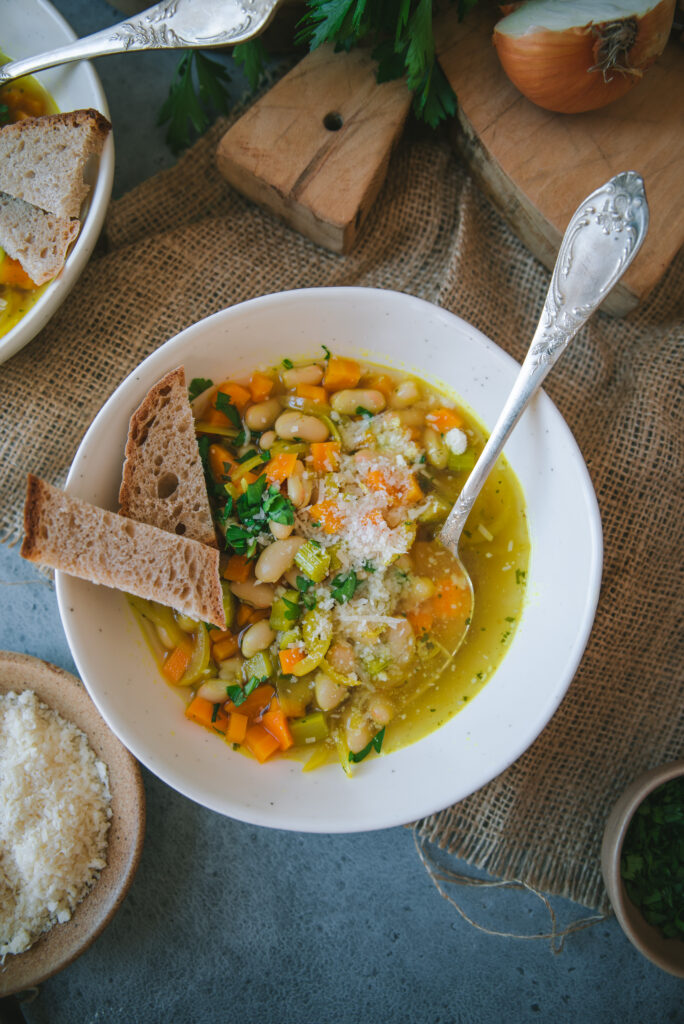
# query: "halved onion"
[[577, 55]]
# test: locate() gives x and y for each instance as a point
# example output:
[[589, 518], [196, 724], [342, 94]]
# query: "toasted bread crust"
[[163, 480], [103, 547]]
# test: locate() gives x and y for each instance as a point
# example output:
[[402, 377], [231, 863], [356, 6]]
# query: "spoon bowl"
[[604, 235]]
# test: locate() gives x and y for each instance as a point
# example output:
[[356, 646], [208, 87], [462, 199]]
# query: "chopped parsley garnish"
[[288, 364], [291, 610], [215, 711], [254, 509], [361, 411], [239, 694], [344, 586], [4, 113], [214, 489], [520, 576], [510, 618], [197, 386], [652, 864], [192, 98], [375, 744], [327, 352], [239, 539], [304, 586], [265, 456], [224, 405], [368, 566]]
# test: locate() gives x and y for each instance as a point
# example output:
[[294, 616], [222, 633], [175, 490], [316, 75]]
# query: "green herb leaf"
[[368, 566], [236, 694], [215, 711], [361, 411], [188, 104], [251, 57], [375, 744], [252, 684], [327, 352], [248, 455], [304, 586], [224, 405], [4, 113], [240, 540], [197, 386], [344, 586], [288, 364]]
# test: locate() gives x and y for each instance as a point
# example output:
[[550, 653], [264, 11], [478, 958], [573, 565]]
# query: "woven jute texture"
[[183, 245]]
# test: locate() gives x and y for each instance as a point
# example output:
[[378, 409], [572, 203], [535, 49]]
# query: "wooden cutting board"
[[537, 166], [314, 150]]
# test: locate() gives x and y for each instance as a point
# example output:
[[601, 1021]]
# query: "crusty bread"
[[163, 481], [43, 160], [38, 240], [77, 538]]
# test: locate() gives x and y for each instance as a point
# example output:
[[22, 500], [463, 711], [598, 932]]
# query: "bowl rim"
[[133, 388], [640, 933], [97, 202]]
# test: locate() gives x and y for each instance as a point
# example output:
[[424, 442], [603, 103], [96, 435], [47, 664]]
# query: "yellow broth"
[[22, 98], [394, 662]]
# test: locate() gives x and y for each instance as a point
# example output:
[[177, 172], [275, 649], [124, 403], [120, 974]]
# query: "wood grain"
[[320, 181], [537, 166]]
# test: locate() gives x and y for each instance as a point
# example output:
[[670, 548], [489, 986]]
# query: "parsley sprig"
[[254, 509], [344, 586], [197, 386], [197, 88]]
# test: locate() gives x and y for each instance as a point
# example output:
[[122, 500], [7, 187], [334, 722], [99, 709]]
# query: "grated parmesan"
[[54, 818]]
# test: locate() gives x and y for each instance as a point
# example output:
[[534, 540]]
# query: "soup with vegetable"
[[22, 98], [329, 482]]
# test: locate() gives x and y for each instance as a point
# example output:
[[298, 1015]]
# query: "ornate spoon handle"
[[169, 25], [601, 240]]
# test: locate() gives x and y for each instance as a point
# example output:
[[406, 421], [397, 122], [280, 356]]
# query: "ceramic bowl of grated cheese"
[[504, 717], [71, 821]]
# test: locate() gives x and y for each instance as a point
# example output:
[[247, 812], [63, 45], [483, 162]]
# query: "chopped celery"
[[228, 603], [309, 729], [285, 610], [317, 631], [436, 510], [458, 463], [313, 560], [201, 427], [288, 447], [260, 665], [332, 427], [290, 636]]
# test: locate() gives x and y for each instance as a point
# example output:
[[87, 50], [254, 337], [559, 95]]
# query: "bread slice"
[[85, 541], [43, 160], [163, 481], [38, 240]]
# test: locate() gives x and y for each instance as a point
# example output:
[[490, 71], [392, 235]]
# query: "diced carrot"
[[341, 373], [449, 600], [374, 517], [325, 456], [406, 489], [238, 394], [275, 721], [260, 742], [381, 382], [224, 649], [421, 620], [260, 386], [313, 392], [412, 492], [257, 702], [443, 420], [175, 664], [220, 462], [281, 467], [243, 614], [237, 727], [216, 635], [13, 274], [328, 514], [205, 713], [290, 657], [216, 418], [238, 569]]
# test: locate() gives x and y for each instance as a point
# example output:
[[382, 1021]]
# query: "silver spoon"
[[603, 237], [169, 25]]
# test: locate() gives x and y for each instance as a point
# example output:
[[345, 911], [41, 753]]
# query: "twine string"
[[440, 875]]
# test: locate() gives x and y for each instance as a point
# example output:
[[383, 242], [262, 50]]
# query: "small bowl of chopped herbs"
[[642, 859]]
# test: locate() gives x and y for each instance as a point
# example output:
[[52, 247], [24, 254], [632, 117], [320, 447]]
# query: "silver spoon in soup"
[[603, 237]]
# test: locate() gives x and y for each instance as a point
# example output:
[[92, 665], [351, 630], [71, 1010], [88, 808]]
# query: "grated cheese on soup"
[[55, 808]]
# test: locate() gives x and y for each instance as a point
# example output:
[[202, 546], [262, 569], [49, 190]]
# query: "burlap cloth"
[[184, 245]]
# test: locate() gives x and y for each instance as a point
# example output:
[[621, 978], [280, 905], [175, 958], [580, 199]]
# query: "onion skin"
[[552, 69]]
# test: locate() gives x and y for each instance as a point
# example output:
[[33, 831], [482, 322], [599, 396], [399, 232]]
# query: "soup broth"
[[22, 98], [329, 482]]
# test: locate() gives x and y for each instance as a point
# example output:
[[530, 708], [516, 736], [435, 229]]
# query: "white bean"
[[419, 589], [436, 451], [263, 414], [213, 690], [312, 374], [267, 439], [258, 595], [381, 710], [358, 735], [257, 638], [231, 668], [299, 486], [276, 559], [293, 424], [328, 693], [341, 657], [405, 394], [280, 530], [349, 400]]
